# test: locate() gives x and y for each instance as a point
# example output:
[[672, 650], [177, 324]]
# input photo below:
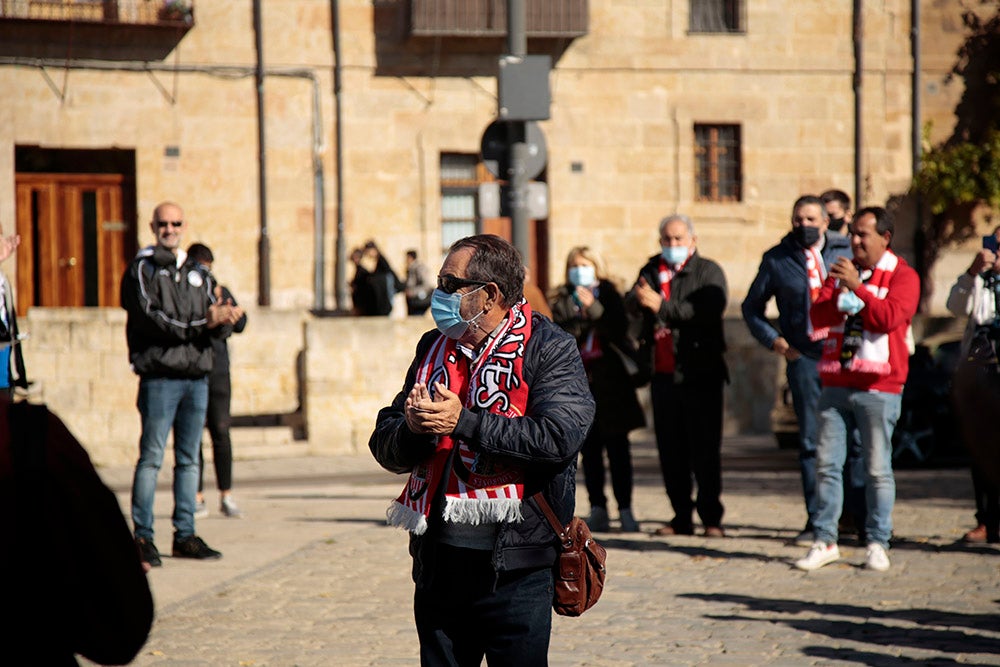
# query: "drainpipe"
[[916, 92], [264, 244], [857, 81], [340, 278]]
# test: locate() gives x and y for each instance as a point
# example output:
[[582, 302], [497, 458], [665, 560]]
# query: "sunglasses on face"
[[173, 223], [449, 284]]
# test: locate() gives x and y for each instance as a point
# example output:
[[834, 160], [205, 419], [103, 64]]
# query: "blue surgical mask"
[[446, 309], [675, 255], [582, 276]]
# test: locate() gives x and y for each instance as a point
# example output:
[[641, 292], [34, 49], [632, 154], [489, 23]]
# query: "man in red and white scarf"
[[792, 273], [494, 409], [868, 303], [678, 301]]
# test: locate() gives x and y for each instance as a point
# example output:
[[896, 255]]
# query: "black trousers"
[[619, 463], [688, 422], [987, 494], [471, 612], [218, 420]]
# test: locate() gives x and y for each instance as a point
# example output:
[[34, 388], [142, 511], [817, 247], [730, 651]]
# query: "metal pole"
[[517, 46], [264, 245], [340, 277], [857, 81]]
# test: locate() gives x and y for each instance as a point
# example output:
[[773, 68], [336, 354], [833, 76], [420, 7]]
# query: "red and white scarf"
[[872, 357], [816, 272], [480, 489], [663, 357]]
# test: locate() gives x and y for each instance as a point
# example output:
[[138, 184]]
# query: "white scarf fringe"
[[401, 516], [476, 511]]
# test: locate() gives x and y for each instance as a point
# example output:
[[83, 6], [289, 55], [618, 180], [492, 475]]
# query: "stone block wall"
[[328, 375]]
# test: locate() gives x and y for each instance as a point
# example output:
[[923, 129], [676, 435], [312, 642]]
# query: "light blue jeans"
[[874, 414], [167, 404]]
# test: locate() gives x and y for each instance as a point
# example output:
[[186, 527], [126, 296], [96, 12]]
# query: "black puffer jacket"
[[167, 305], [545, 442]]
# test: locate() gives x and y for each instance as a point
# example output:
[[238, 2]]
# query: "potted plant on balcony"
[[176, 10]]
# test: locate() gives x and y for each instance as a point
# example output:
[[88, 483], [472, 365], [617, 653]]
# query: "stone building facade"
[[105, 115]]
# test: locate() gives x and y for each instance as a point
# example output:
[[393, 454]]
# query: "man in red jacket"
[[868, 304]]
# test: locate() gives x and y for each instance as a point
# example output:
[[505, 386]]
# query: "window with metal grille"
[[717, 157], [716, 16], [460, 178]]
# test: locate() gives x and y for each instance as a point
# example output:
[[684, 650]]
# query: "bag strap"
[[553, 520]]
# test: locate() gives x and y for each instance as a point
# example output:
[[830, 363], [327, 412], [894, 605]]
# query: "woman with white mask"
[[590, 307]]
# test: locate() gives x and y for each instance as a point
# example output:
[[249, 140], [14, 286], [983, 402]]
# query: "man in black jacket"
[[681, 297], [173, 310], [494, 409]]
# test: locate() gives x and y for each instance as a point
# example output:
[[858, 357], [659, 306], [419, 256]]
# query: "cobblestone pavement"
[[312, 576]]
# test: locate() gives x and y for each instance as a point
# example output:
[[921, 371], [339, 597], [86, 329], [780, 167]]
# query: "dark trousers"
[[218, 421], [987, 504], [619, 463], [470, 611], [688, 423]]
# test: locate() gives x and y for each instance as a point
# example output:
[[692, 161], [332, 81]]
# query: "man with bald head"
[[174, 309]]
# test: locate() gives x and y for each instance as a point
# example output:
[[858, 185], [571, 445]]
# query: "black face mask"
[[836, 224], [805, 236]]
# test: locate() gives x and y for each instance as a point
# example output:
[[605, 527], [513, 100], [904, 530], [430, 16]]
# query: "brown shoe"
[[976, 536], [714, 531], [668, 530]]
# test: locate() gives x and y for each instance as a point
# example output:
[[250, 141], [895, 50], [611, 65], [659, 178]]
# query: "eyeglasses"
[[176, 224], [449, 284]]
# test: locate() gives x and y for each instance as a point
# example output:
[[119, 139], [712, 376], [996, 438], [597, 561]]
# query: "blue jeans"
[[469, 611], [803, 382], [874, 414], [167, 404]]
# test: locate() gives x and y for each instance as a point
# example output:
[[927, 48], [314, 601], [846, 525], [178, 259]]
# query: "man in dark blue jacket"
[[792, 272], [494, 410]]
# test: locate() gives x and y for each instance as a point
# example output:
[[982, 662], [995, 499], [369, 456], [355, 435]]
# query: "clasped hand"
[[438, 415], [226, 313]]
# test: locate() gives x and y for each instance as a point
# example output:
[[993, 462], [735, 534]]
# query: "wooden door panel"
[[66, 244], [110, 244], [73, 239]]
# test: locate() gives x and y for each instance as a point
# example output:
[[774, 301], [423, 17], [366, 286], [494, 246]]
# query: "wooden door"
[[73, 244]]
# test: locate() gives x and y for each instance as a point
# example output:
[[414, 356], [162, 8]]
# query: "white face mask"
[[446, 309], [675, 255], [582, 276]]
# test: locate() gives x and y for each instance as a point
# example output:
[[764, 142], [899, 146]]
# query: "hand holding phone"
[[990, 242]]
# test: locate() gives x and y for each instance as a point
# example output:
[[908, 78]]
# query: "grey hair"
[[677, 216]]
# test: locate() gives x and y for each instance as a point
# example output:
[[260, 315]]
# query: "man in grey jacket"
[[493, 411], [173, 310]]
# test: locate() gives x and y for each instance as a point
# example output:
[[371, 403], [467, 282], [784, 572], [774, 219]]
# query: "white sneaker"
[[820, 554], [200, 509], [876, 558], [229, 508]]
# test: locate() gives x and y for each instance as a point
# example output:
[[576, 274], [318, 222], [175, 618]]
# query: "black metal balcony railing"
[[129, 12], [488, 18]]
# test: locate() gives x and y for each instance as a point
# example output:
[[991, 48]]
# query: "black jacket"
[[698, 295], [545, 442], [618, 409], [167, 328]]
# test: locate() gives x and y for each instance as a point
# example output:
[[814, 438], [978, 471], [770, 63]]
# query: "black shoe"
[[148, 553], [194, 547]]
